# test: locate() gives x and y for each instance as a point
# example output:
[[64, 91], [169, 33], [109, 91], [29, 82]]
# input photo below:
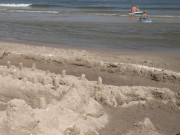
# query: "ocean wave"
[[162, 8], [44, 5], [110, 14], [29, 11], [31, 5], [96, 7], [126, 15], [15, 5], [82, 12], [164, 16], [43, 12], [59, 12]]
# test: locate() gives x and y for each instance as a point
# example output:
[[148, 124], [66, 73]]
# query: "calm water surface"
[[102, 24]]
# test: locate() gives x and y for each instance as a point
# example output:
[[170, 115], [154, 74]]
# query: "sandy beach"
[[71, 91]]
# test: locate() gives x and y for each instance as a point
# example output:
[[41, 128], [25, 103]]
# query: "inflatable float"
[[136, 13], [145, 20]]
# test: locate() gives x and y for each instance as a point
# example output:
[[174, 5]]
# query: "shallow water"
[[100, 24]]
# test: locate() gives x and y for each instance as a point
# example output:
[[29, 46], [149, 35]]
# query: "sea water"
[[101, 24]]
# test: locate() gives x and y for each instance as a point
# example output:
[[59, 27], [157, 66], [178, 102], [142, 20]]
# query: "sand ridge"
[[89, 60]]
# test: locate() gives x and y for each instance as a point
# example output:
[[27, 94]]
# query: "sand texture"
[[66, 91]]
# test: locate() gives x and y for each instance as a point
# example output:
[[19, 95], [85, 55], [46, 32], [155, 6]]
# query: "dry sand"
[[48, 90]]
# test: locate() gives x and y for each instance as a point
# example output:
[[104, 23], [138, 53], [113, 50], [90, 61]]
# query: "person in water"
[[137, 9], [144, 16], [133, 9]]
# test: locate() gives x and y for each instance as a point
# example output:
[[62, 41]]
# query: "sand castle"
[[38, 102], [62, 104], [47, 104]]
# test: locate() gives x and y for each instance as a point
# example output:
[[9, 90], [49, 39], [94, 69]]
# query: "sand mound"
[[34, 107], [18, 118], [126, 96], [89, 60], [144, 127]]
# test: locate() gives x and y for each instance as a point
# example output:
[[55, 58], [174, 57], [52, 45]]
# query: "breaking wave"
[[30, 5], [29, 11], [15, 5], [81, 12]]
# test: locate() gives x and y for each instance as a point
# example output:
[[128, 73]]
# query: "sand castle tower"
[[33, 67], [20, 66], [99, 82], [83, 77], [63, 73], [42, 103], [8, 64], [56, 82]]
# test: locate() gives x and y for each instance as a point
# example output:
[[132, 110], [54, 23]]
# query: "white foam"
[[164, 16], [15, 5], [26, 11], [105, 14]]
